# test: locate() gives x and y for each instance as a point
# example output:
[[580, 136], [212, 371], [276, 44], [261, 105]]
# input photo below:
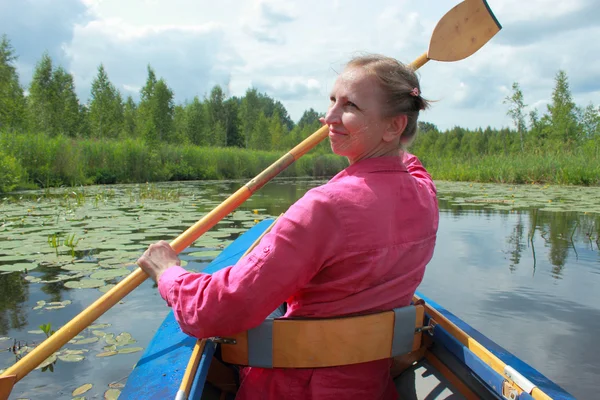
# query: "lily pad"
[[127, 350], [17, 267], [80, 267], [110, 273], [204, 255], [40, 304], [82, 389], [106, 288], [71, 357], [112, 394], [107, 353], [85, 341], [84, 284], [71, 351], [47, 361], [99, 326], [123, 339]]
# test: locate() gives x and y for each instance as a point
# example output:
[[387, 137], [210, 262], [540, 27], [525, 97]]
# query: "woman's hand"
[[157, 259]]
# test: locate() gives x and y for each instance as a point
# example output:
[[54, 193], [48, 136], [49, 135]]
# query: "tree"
[[179, 134], [42, 97], [277, 131], [163, 111], [309, 117], [249, 115], [195, 123], [144, 122], [12, 100], [66, 104], [564, 129], [590, 121], [156, 110], [129, 115], [217, 119], [232, 124], [260, 138], [106, 107], [516, 110]]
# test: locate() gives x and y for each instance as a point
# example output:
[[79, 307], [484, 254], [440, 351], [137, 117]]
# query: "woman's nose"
[[333, 115]]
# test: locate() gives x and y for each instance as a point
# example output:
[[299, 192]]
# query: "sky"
[[293, 50]]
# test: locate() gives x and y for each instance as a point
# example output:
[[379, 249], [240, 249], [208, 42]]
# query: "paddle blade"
[[6, 384], [463, 31]]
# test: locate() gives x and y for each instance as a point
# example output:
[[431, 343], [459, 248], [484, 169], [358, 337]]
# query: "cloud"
[[192, 59], [552, 20], [263, 23], [34, 27], [289, 88]]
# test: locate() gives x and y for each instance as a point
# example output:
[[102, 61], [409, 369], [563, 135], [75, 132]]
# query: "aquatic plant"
[[71, 243], [47, 329]]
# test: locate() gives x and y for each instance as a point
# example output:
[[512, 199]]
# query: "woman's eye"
[[351, 104]]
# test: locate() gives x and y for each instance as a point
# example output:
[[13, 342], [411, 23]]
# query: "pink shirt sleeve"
[[417, 171], [240, 297]]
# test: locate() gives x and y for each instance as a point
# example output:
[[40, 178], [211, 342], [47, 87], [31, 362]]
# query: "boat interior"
[[430, 373]]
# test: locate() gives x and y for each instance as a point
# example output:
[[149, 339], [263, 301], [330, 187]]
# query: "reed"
[[54, 161], [559, 168]]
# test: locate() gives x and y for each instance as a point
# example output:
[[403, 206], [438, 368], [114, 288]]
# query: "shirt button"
[[266, 249]]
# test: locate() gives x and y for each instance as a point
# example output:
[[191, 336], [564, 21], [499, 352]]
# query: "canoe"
[[457, 361]]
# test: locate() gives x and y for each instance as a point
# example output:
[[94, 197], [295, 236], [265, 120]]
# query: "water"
[[526, 278]]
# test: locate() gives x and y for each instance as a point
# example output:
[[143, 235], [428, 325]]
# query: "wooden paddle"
[[460, 33]]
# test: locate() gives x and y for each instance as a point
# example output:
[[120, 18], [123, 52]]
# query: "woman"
[[358, 244]]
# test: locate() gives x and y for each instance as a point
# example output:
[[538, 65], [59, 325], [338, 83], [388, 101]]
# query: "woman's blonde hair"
[[401, 89]]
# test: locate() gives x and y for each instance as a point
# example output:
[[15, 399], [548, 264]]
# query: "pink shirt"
[[358, 244]]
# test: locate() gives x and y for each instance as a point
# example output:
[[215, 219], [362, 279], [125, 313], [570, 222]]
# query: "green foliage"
[[106, 115], [155, 111], [10, 172], [516, 110], [47, 329], [66, 104], [71, 243], [42, 96], [564, 127], [12, 100], [54, 242]]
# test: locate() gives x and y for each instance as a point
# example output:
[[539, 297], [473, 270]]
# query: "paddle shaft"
[[419, 62], [190, 371]]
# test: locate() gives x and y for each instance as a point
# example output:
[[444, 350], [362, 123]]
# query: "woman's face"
[[357, 129]]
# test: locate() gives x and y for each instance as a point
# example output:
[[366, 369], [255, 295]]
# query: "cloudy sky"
[[292, 49]]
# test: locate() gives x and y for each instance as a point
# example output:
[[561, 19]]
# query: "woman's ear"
[[395, 128]]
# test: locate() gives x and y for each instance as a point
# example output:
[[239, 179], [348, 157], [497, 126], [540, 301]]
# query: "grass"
[[562, 169], [36, 159], [28, 160]]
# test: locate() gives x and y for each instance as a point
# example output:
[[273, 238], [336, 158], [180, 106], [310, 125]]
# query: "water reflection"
[[564, 234], [14, 293]]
